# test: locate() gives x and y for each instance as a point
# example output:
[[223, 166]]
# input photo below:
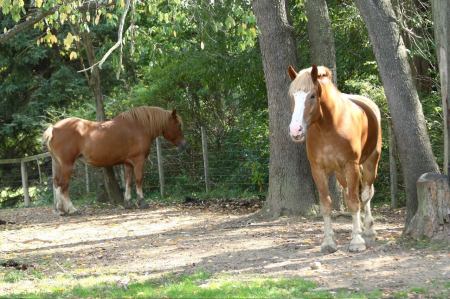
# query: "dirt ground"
[[189, 238]]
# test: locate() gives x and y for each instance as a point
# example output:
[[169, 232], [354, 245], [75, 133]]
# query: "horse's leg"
[[61, 182], [139, 174], [321, 181], [128, 171], [57, 190], [369, 173], [352, 175], [369, 232]]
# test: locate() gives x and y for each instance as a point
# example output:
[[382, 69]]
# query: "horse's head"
[[304, 93], [173, 131]]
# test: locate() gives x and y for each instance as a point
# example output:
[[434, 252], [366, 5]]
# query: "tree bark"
[[441, 17], [291, 190], [323, 52], [406, 12], [408, 121], [111, 184], [321, 38], [393, 168], [432, 219]]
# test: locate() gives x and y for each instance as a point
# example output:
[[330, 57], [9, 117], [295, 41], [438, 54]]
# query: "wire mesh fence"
[[232, 169]]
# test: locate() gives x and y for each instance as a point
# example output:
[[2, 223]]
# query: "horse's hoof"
[[73, 212], [127, 205], [143, 205], [328, 247], [69, 213], [369, 236], [59, 213], [357, 244]]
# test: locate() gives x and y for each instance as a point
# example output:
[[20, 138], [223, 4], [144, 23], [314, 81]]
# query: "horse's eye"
[[313, 96]]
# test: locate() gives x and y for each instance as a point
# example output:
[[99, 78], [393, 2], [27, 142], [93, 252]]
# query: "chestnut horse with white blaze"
[[343, 135], [126, 139]]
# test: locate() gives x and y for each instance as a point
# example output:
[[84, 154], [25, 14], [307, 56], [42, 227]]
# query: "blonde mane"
[[152, 119], [303, 81]]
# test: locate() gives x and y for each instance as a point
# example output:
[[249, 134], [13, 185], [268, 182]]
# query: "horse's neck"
[[155, 135], [330, 104]]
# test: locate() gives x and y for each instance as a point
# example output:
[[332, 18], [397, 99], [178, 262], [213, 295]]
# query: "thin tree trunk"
[[405, 12], [111, 184], [408, 121], [323, 52], [393, 168], [321, 38], [441, 16], [291, 190]]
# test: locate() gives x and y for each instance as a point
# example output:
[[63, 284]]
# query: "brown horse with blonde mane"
[[343, 135], [126, 139]]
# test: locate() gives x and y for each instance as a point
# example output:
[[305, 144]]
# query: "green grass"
[[201, 285], [14, 276], [198, 285]]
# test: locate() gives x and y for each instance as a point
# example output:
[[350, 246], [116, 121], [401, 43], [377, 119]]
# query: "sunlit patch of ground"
[[112, 245]]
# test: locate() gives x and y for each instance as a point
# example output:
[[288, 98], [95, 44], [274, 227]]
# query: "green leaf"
[[229, 22]]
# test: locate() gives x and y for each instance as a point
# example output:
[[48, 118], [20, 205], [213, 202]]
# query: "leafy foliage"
[[200, 57]]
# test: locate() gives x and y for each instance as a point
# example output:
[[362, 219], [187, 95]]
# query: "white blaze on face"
[[298, 124]]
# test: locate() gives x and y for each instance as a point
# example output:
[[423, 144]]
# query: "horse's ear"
[[292, 73], [174, 113], [314, 73]]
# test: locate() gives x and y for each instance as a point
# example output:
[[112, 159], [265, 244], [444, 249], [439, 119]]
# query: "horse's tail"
[[46, 138]]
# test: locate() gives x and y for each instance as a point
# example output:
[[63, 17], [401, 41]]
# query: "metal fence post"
[[24, 174], [55, 200], [39, 170], [205, 158], [86, 175], [160, 166]]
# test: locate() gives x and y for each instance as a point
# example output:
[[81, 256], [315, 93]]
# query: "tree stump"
[[432, 218]]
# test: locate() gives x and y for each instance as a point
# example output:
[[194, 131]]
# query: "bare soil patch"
[[218, 239]]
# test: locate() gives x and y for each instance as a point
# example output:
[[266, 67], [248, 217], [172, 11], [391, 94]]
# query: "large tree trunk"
[[291, 190], [111, 184], [323, 52], [413, 143], [441, 17]]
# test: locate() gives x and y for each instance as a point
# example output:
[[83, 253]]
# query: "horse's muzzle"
[[182, 145], [298, 138]]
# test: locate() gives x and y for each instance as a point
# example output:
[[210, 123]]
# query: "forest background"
[[202, 58]]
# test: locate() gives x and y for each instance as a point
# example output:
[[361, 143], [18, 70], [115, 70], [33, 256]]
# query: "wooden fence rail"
[[24, 172]]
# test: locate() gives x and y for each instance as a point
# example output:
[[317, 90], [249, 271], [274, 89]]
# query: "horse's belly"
[[102, 162], [330, 160], [330, 165], [104, 154]]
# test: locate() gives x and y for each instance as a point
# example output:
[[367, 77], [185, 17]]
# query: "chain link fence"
[[211, 167]]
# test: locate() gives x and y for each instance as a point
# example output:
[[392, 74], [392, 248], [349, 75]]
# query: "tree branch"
[[38, 16], [117, 44], [4, 37]]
